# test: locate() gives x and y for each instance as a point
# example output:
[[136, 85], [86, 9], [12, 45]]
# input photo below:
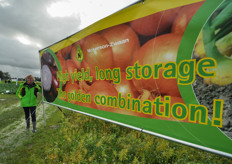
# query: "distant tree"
[[1, 74], [37, 79], [5, 75]]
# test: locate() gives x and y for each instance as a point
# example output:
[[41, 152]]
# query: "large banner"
[[162, 67]]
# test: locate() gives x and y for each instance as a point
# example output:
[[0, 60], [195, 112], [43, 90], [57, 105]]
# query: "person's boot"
[[34, 127], [28, 124]]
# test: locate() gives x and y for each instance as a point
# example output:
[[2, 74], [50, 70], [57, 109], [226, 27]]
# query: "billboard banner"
[[162, 67]]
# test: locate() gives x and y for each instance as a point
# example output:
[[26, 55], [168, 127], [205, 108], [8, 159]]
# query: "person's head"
[[29, 79]]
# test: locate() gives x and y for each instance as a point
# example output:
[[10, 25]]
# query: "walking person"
[[27, 92]]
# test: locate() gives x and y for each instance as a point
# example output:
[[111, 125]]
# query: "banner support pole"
[[62, 111], [44, 114]]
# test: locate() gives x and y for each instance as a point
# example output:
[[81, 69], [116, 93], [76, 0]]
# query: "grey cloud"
[[29, 17], [15, 54]]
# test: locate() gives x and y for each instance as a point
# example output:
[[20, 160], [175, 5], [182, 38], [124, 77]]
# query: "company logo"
[[79, 54]]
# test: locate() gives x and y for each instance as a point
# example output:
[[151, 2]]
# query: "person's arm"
[[20, 91], [38, 87]]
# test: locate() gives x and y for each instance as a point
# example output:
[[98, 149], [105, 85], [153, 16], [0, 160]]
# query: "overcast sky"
[[27, 26]]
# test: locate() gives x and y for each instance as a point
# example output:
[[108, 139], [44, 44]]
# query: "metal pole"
[[42, 92], [62, 111], [44, 114]]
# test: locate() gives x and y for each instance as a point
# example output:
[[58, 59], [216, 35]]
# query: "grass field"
[[77, 138]]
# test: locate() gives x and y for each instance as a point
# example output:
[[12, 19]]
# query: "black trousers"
[[28, 110]]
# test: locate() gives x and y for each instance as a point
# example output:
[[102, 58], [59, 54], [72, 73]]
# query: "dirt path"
[[15, 134]]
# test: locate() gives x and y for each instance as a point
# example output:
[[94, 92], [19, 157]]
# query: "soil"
[[205, 93]]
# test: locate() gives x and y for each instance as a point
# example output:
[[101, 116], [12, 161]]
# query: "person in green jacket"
[[27, 92]]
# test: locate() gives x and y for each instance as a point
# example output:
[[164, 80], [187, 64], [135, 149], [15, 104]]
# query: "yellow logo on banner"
[[79, 54]]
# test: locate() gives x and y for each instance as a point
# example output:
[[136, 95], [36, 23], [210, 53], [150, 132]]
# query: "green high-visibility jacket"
[[28, 94]]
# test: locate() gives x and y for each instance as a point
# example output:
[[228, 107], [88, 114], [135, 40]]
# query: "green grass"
[[82, 139], [14, 115], [10, 97], [8, 101]]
